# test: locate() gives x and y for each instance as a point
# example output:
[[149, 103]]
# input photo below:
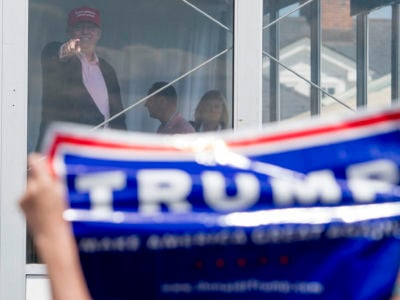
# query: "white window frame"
[[247, 71], [13, 145]]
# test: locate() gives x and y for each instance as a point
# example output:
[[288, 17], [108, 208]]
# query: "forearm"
[[43, 204], [59, 252]]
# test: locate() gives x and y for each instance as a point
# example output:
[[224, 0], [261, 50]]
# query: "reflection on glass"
[[291, 42], [338, 58], [338, 64], [380, 39], [145, 41], [186, 43]]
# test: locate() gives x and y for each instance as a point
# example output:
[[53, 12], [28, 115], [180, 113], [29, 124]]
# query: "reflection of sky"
[[380, 13], [288, 9]]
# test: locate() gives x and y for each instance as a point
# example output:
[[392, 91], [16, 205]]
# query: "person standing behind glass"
[[162, 106], [79, 86], [211, 113]]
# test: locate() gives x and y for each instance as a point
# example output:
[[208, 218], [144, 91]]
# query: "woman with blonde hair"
[[211, 113]]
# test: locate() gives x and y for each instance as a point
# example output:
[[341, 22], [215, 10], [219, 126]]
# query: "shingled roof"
[[294, 28]]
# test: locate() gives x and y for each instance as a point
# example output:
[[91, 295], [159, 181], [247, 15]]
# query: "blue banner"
[[291, 212]]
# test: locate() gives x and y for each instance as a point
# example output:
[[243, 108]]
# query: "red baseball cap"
[[84, 14]]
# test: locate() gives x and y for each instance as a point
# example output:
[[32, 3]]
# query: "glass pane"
[[219, 10], [338, 65], [144, 41], [138, 43], [286, 90], [338, 58], [293, 53], [200, 74], [380, 38]]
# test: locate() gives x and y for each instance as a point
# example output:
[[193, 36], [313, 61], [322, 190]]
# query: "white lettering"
[[165, 186], [319, 184], [100, 187], [214, 188], [369, 178]]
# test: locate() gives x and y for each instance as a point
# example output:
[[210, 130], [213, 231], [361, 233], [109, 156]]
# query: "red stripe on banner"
[[389, 117], [62, 139], [66, 139]]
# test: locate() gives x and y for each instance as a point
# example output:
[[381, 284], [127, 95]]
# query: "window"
[[313, 53], [188, 44], [380, 57]]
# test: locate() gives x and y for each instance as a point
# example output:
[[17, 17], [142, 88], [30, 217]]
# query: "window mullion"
[[315, 56], [248, 63]]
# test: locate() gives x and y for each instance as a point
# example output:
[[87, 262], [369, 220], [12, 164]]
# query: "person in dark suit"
[[79, 86]]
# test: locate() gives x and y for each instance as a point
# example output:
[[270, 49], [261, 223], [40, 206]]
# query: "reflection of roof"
[[292, 103], [342, 49], [379, 95], [380, 49], [328, 54], [295, 28], [380, 99]]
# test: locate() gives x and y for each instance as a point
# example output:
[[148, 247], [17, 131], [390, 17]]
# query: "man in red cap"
[[84, 30], [79, 86]]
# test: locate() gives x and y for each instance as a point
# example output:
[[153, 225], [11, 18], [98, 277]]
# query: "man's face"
[[154, 106], [87, 32]]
